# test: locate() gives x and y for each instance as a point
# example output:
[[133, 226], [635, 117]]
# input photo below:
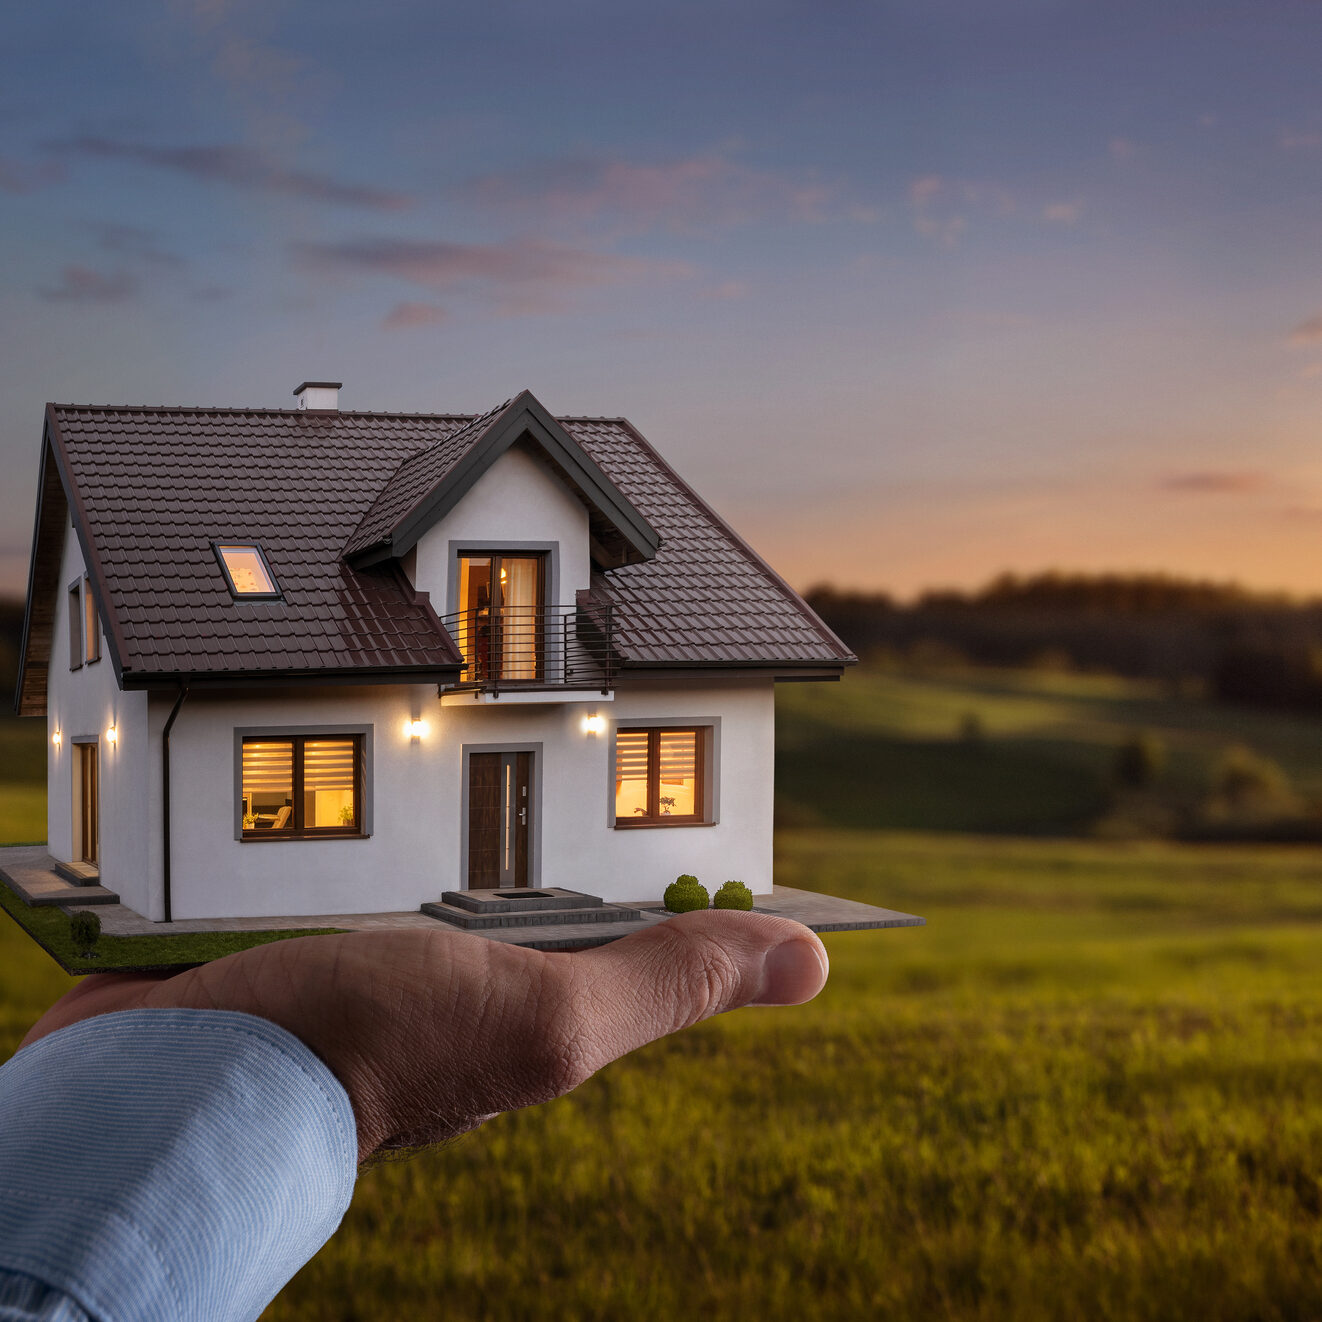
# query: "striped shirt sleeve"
[[166, 1164]]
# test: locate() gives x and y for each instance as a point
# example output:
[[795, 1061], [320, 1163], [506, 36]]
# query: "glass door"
[[501, 610]]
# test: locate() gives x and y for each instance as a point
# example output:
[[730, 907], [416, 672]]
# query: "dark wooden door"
[[88, 805], [499, 813]]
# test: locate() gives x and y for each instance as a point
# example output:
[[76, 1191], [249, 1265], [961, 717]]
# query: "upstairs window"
[[659, 776], [75, 628], [302, 786], [91, 625], [246, 572]]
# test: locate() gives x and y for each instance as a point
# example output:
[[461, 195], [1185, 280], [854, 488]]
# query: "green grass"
[[881, 750], [1090, 1088]]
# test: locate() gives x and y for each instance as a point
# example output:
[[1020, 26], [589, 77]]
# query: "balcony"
[[537, 653]]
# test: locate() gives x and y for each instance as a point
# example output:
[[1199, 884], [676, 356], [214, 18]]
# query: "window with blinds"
[[302, 785], [658, 776]]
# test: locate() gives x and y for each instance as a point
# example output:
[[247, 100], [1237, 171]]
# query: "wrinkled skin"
[[431, 1032]]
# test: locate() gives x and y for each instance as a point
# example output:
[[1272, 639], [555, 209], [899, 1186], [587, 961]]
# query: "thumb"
[[689, 968]]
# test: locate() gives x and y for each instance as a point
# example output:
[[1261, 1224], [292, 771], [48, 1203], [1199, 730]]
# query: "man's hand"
[[431, 1032]]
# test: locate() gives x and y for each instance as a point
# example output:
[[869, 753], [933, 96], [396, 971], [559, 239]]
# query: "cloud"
[[405, 316], [27, 176], [727, 289], [82, 284], [1307, 333], [1122, 149], [1214, 482], [239, 167], [689, 194], [941, 208], [132, 241], [1292, 140], [523, 275], [1062, 213]]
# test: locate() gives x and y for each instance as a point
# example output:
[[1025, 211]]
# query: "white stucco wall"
[[84, 704], [517, 501], [415, 849]]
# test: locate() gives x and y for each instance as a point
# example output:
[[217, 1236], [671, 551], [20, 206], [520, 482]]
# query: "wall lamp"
[[415, 729], [57, 738], [594, 724], [112, 735]]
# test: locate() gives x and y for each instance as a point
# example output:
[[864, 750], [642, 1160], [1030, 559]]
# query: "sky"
[[912, 292]]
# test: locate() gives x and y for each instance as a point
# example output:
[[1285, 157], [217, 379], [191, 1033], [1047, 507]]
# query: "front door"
[[87, 826], [499, 809]]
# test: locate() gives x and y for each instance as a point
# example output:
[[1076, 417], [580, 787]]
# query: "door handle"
[[523, 817]]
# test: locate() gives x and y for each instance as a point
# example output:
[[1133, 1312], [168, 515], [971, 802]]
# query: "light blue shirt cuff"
[[166, 1164]]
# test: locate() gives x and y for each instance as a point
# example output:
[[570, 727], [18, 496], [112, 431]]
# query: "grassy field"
[[882, 750], [1090, 1088]]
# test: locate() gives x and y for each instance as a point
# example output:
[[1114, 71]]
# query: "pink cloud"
[[522, 275], [1214, 482], [239, 167], [1307, 333], [1062, 213], [942, 209], [405, 316], [82, 284], [692, 193]]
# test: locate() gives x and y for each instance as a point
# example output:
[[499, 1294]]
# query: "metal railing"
[[535, 646]]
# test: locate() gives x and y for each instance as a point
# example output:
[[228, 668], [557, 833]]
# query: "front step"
[[80, 874], [539, 917], [519, 899]]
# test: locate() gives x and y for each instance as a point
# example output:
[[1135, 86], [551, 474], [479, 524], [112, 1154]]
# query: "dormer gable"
[[430, 483]]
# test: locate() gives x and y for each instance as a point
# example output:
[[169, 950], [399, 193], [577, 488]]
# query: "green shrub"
[[733, 895], [1246, 782], [84, 928], [685, 893]]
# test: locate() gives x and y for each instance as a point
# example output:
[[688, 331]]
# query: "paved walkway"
[[29, 871]]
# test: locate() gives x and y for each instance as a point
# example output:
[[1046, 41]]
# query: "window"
[[501, 622], [75, 628], [246, 571], [659, 776], [302, 786], [91, 625]]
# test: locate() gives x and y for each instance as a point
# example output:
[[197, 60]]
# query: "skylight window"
[[246, 571]]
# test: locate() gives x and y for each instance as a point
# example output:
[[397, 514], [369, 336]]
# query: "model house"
[[313, 661]]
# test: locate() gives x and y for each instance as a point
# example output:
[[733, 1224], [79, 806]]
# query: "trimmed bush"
[[733, 895], [84, 928], [1139, 761], [685, 893]]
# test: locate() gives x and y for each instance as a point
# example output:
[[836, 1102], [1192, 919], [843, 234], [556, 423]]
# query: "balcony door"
[[499, 809], [501, 616]]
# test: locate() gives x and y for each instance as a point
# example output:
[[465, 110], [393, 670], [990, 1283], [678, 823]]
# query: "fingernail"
[[792, 972]]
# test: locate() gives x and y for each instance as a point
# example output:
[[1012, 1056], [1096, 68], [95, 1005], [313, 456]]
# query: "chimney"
[[323, 396]]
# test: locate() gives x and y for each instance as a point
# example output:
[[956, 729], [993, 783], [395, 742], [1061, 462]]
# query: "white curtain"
[[519, 623]]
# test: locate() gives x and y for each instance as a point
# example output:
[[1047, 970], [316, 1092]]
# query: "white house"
[[311, 661]]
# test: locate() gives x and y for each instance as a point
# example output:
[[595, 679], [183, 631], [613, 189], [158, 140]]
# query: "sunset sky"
[[913, 292]]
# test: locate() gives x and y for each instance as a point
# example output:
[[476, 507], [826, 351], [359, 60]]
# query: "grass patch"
[[48, 925]]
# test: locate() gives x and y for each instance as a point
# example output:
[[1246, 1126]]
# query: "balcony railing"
[[535, 646]]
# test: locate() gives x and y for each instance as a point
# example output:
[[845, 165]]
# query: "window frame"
[[91, 625], [704, 766], [235, 544], [75, 600], [299, 735], [495, 555]]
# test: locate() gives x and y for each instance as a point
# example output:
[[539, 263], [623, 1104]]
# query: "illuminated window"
[[659, 776], [91, 625], [301, 786], [246, 570]]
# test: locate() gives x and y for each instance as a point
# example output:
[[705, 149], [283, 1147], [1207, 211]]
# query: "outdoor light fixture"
[[56, 738], [594, 724], [415, 729], [112, 735]]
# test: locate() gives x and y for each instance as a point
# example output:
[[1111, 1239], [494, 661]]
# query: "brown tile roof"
[[157, 485]]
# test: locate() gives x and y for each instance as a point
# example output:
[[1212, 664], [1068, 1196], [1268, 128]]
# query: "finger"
[[689, 968]]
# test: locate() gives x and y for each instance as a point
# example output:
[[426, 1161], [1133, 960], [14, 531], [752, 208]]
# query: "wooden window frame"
[[496, 625], [75, 599], [91, 625], [296, 830], [701, 750]]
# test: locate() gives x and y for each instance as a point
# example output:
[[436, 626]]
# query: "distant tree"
[[971, 729], [1245, 781], [1139, 761]]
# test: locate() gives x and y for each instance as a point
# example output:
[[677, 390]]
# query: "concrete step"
[[476, 922], [525, 899], [80, 874]]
